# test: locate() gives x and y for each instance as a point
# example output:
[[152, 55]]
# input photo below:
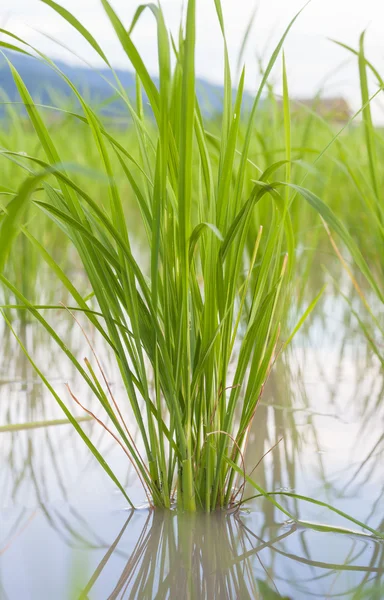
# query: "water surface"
[[66, 533]]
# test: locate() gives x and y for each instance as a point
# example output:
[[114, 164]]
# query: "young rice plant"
[[194, 330]]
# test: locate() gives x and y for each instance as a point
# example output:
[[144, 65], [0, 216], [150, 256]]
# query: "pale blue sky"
[[310, 56]]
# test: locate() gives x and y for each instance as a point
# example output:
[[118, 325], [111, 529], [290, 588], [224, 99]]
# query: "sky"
[[313, 61]]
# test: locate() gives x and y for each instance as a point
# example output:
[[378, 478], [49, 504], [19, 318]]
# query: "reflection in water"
[[178, 556], [32, 460], [221, 557], [321, 416], [324, 404], [85, 555]]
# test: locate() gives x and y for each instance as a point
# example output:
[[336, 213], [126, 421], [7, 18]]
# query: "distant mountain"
[[45, 85]]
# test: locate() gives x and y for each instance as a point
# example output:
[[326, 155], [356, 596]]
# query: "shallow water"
[[65, 532]]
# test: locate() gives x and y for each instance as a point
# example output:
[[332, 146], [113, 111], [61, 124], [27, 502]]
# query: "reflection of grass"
[[32, 445], [179, 557], [222, 557], [370, 592], [39, 424]]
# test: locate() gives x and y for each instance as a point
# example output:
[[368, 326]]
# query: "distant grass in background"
[[194, 240]]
